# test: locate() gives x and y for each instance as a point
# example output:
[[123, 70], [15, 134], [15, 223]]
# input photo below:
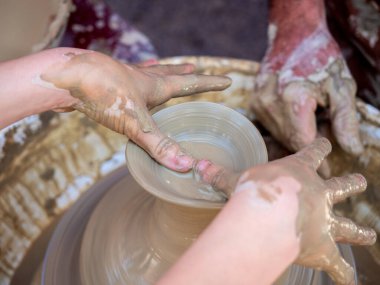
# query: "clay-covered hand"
[[119, 97], [317, 227], [304, 67]]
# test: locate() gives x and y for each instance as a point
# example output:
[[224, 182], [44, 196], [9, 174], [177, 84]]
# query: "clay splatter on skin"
[[269, 192], [69, 54], [304, 67]]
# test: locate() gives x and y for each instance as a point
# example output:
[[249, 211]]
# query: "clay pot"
[[132, 237], [207, 131], [31, 26]]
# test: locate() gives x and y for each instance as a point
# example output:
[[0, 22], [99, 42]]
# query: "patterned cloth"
[[93, 25]]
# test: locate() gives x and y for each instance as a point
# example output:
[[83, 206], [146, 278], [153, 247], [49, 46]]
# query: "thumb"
[[164, 150]]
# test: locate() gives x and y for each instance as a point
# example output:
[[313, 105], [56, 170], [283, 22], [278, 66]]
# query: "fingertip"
[[324, 144], [373, 237], [369, 236], [353, 146], [360, 181], [183, 163], [206, 170], [227, 82], [148, 62], [188, 68], [215, 82], [166, 151], [301, 139], [177, 161]]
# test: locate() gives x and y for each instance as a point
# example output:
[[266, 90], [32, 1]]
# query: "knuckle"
[[360, 180], [163, 148]]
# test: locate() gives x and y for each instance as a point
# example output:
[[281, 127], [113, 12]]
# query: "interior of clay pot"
[[206, 131]]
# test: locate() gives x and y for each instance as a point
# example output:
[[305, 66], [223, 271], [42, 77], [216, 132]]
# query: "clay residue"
[[114, 102], [269, 194]]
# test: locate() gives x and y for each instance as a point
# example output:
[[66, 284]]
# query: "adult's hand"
[[119, 97], [303, 67], [317, 227]]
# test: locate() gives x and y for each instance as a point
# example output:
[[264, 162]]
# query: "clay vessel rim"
[[193, 107]]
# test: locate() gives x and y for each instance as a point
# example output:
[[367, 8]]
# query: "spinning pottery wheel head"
[[206, 131]]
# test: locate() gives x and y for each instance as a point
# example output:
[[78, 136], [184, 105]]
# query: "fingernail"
[[189, 68], [151, 61], [184, 162], [222, 82], [373, 237], [202, 165], [227, 81], [355, 147]]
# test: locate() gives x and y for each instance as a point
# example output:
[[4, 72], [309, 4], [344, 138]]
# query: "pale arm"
[[22, 92], [278, 213], [111, 93], [250, 242]]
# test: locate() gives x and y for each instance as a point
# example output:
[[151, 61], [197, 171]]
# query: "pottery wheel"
[[117, 233]]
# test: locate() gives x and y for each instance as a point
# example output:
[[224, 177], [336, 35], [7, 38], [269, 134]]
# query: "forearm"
[[22, 91], [305, 13], [249, 242]]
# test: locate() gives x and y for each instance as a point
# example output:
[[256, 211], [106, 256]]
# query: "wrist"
[[23, 92], [277, 201]]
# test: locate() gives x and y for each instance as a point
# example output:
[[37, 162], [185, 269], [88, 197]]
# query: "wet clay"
[[133, 237], [29, 26]]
